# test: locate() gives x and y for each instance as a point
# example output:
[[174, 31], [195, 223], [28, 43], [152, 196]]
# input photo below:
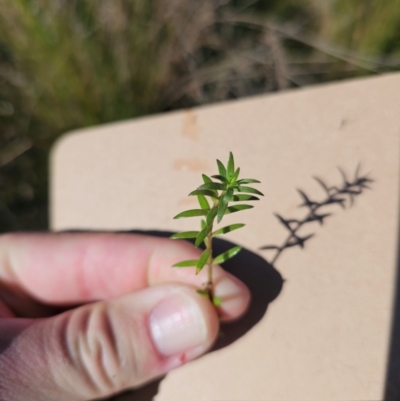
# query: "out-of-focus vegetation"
[[66, 64]]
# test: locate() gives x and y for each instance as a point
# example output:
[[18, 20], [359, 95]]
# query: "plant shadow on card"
[[265, 284]]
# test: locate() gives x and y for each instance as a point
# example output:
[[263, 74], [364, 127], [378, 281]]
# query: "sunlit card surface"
[[320, 325]]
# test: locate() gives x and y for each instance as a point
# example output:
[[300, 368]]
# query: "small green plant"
[[222, 196]]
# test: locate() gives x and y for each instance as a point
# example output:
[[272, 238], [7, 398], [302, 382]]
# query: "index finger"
[[67, 268]]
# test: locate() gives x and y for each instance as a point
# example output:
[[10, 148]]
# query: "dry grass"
[[74, 63]]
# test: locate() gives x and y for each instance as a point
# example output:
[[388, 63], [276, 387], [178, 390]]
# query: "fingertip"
[[235, 297]]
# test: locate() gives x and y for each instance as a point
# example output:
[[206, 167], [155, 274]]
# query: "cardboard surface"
[[326, 335]]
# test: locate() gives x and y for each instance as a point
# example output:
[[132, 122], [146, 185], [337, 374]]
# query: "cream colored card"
[[325, 333]]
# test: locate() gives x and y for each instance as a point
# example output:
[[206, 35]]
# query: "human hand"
[[138, 318]]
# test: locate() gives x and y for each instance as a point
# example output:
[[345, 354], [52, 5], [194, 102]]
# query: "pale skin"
[[127, 317]]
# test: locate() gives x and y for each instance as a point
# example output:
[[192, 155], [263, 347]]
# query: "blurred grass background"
[[66, 64]]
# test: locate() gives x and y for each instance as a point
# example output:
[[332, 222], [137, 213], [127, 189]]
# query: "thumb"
[[102, 348]]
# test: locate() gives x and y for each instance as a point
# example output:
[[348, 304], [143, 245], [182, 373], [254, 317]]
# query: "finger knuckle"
[[94, 349]]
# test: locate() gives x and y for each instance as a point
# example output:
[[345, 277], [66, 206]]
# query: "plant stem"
[[209, 285]]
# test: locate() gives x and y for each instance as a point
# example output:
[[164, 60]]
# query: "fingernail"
[[177, 325]]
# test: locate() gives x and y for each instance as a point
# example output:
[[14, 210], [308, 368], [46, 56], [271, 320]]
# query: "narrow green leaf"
[[237, 208], [236, 175], [185, 234], [202, 261], [203, 202], [221, 168], [217, 301], [186, 263], [191, 213], [238, 198], [203, 223], [229, 194], [227, 229], [221, 178], [231, 166], [212, 185], [227, 255], [248, 181], [204, 192], [202, 235], [206, 179], [211, 215], [202, 292], [249, 190], [223, 203]]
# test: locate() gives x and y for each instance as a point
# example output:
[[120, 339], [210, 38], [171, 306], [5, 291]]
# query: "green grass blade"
[[249, 190], [186, 263], [185, 234], [237, 208], [227, 255], [191, 213], [202, 261], [227, 229]]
